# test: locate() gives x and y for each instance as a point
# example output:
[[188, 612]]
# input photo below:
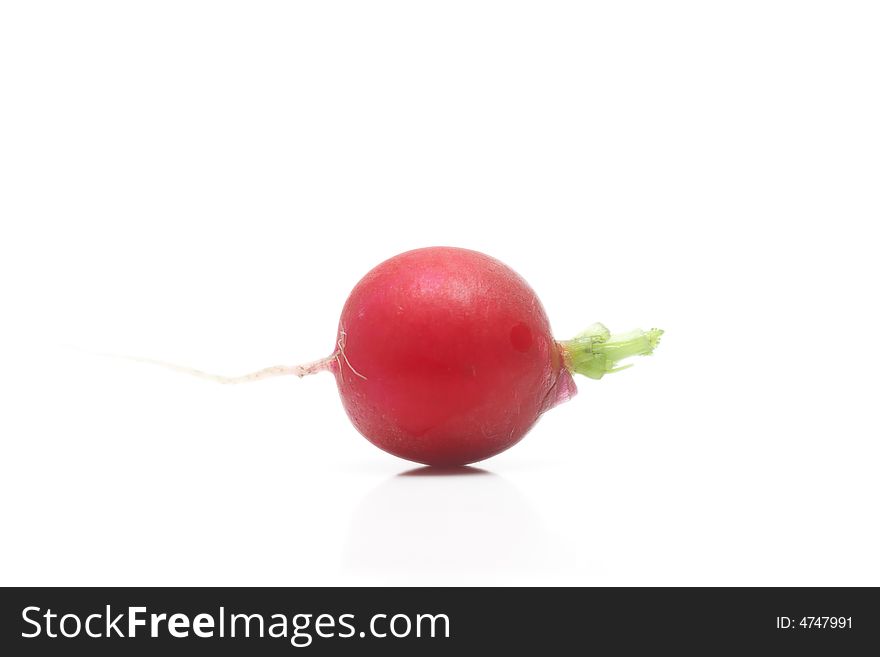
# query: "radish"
[[444, 356]]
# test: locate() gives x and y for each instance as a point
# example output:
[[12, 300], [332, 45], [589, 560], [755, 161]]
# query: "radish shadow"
[[463, 525], [449, 471]]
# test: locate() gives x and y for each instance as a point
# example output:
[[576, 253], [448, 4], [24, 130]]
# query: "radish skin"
[[445, 356]]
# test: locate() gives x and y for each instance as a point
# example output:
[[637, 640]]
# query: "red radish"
[[444, 356]]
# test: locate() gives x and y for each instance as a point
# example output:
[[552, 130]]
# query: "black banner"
[[436, 621]]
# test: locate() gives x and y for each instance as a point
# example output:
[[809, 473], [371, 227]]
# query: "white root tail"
[[305, 369], [259, 375]]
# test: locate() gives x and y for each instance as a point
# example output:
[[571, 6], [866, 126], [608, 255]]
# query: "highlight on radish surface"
[[444, 356]]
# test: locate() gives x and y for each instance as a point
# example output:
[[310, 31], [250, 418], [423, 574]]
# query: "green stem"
[[596, 352]]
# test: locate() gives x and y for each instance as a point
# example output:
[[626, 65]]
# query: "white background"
[[204, 182]]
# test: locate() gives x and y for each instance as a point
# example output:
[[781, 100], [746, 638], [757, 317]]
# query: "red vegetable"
[[445, 356]]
